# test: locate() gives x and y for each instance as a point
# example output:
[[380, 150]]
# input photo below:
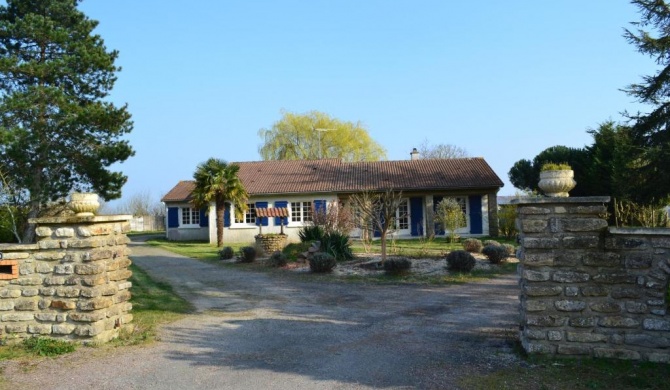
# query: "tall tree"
[[58, 132], [429, 151], [651, 131], [316, 135], [525, 175], [217, 181]]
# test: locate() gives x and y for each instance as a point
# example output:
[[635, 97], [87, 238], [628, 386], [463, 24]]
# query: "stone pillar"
[[493, 214]]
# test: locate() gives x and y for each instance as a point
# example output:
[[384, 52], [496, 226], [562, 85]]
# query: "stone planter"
[[84, 204], [271, 243], [557, 183]]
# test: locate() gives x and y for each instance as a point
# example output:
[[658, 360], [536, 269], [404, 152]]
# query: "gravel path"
[[257, 330]]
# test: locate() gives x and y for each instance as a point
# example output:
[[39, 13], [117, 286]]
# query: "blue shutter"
[[226, 215], [439, 229], [476, 223], [173, 217], [263, 220], [204, 218], [416, 216], [320, 206], [281, 203]]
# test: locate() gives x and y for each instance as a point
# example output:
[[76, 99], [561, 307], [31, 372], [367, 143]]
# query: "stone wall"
[[71, 284], [271, 243], [588, 289]]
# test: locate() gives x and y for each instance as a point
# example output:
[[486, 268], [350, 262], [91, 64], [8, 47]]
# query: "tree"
[[58, 132], [428, 151], [378, 211], [449, 215], [140, 204], [217, 181], [651, 131], [316, 135]]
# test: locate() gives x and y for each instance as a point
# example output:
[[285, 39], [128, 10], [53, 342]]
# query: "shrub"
[[550, 166], [277, 259], [397, 265], [311, 233], [461, 261], [44, 346], [294, 249], [226, 253], [338, 245], [449, 215], [491, 242], [511, 250], [495, 253], [507, 221], [247, 254], [322, 262], [473, 245]]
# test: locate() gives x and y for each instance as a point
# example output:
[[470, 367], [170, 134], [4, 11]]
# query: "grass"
[[416, 247], [194, 249], [146, 232], [572, 374]]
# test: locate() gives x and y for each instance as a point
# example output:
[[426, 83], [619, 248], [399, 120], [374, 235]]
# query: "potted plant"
[[556, 180]]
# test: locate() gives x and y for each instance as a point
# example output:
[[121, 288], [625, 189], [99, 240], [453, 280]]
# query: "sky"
[[502, 79]]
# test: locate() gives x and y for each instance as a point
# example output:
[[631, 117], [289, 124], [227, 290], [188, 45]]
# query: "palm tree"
[[217, 181]]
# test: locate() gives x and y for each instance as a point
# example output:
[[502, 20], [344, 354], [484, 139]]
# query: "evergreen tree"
[[58, 132]]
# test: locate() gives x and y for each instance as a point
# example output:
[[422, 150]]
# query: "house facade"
[[302, 186]]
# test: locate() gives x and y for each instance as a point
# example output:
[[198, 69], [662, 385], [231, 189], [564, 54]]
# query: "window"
[[249, 215], [301, 211], [190, 216], [402, 216], [461, 202]]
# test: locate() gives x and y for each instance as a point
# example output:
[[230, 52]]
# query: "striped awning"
[[272, 212]]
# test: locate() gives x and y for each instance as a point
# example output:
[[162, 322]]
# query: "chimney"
[[414, 155]]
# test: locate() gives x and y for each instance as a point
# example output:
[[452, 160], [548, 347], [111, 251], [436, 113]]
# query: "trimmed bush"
[[322, 262], [511, 250], [491, 242], [247, 254], [226, 253], [294, 249], [461, 261], [495, 253], [397, 265], [277, 259], [338, 245], [473, 245], [311, 233]]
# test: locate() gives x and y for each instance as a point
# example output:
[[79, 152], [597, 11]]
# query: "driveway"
[[255, 330]]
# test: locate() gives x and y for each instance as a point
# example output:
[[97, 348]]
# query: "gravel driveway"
[[256, 330]]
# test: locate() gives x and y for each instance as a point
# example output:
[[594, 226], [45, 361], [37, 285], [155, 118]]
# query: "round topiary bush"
[[461, 261], [473, 245], [495, 253], [397, 265], [226, 253], [247, 254], [322, 262], [277, 259], [491, 242], [511, 250]]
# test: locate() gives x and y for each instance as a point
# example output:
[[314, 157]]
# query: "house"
[[301, 186]]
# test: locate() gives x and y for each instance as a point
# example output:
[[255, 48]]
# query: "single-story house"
[[300, 186]]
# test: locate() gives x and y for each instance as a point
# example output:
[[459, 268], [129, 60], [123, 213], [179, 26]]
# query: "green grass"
[[194, 249], [417, 247], [146, 232], [44, 346], [572, 374]]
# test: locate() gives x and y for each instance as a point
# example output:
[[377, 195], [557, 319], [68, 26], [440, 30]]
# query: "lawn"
[[417, 247]]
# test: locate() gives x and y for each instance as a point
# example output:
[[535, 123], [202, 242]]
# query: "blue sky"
[[502, 79]]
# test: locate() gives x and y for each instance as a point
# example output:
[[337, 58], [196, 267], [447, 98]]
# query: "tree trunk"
[[383, 240], [220, 209], [29, 231]]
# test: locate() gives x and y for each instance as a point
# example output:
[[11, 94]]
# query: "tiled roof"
[[332, 175]]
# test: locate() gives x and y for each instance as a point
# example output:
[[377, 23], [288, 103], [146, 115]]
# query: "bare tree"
[[428, 151], [139, 204], [11, 203], [378, 211]]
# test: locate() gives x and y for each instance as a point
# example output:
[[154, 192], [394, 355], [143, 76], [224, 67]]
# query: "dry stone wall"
[[72, 284], [588, 289]]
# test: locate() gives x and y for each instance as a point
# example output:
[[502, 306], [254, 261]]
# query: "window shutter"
[[173, 217], [284, 204], [416, 216], [263, 221], [476, 225], [320, 206], [226, 215], [204, 218]]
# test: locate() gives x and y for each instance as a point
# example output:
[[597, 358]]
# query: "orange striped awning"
[[272, 212]]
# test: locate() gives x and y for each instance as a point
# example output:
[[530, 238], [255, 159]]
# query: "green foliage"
[[311, 233], [338, 245], [525, 175], [460, 261], [397, 265], [226, 253], [495, 253], [247, 254], [321, 262], [44, 346], [277, 259], [550, 166], [55, 113], [315, 135], [510, 249], [473, 245], [507, 221], [294, 249], [450, 216]]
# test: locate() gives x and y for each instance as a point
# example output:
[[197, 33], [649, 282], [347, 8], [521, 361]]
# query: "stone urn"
[[84, 204], [557, 183]]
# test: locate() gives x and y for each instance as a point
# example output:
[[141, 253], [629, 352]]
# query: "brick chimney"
[[414, 155]]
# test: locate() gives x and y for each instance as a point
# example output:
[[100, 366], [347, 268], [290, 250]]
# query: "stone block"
[[568, 305], [29, 281], [16, 328], [94, 280], [535, 306], [67, 292], [648, 341], [48, 244], [63, 305], [39, 329], [532, 334], [533, 225], [64, 269], [584, 224], [638, 260], [583, 337], [122, 296], [536, 276], [87, 243], [656, 357], [530, 210], [546, 321], [91, 292], [100, 254], [607, 259], [25, 305], [537, 348], [15, 255], [555, 225], [636, 307], [555, 335], [44, 268], [94, 304], [64, 232], [570, 277], [122, 274], [606, 307], [44, 304], [567, 259], [94, 316], [89, 269], [10, 293], [595, 210], [655, 285], [101, 230], [581, 242], [615, 278], [90, 330], [17, 317], [571, 291], [109, 289], [573, 350], [595, 291], [49, 256], [83, 232], [50, 317], [658, 312], [540, 243], [660, 242], [613, 353], [6, 305], [26, 269], [626, 293], [538, 259], [125, 285], [62, 329], [619, 322], [43, 231], [542, 291], [626, 243], [656, 324], [656, 302], [30, 292]]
